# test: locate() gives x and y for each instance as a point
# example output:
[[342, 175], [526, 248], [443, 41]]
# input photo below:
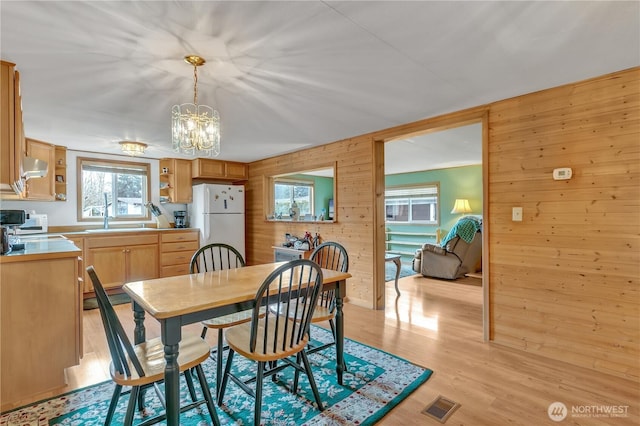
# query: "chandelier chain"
[[195, 85]]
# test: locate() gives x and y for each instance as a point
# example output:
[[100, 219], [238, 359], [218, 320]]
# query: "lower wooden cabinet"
[[176, 250], [117, 261], [40, 324]]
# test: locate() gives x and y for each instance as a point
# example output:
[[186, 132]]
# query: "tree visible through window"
[[412, 204], [125, 184]]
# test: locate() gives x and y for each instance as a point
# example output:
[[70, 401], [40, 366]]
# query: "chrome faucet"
[[106, 212]]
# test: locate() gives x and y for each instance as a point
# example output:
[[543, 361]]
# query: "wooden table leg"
[[139, 333], [340, 364], [171, 335]]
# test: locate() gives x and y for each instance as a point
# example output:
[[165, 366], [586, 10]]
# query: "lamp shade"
[[461, 206]]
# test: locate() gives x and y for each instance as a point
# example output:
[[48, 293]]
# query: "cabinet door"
[[142, 262], [204, 168], [182, 185], [109, 263], [42, 188], [11, 133], [235, 170]]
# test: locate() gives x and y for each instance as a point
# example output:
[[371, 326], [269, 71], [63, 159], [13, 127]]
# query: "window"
[[125, 184], [415, 204], [288, 191]]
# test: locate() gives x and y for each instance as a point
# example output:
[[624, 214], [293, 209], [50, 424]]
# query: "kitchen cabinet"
[[41, 188], [40, 323], [79, 242], [12, 143], [203, 168], [118, 260], [176, 250], [175, 181]]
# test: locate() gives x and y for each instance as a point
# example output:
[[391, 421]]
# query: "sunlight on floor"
[[412, 312]]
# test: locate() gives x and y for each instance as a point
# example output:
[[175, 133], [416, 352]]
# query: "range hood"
[[30, 168], [33, 168]]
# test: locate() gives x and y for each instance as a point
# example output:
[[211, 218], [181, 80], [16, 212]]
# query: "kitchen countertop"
[[39, 246], [54, 245], [120, 230]]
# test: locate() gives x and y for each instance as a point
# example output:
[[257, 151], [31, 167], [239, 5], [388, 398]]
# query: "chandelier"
[[195, 128]]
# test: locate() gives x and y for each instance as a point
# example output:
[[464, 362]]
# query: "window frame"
[[144, 168], [413, 192]]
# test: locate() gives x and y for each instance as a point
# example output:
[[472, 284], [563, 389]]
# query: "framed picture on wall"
[[59, 178]]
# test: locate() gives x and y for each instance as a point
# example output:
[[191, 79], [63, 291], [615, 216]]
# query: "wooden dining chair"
[[329, 255], [216, 257], [142, 366], [270, 336]]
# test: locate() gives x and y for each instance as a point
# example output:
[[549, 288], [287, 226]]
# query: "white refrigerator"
[[218, 211]]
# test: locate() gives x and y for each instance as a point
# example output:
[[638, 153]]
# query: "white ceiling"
[[290, 75]]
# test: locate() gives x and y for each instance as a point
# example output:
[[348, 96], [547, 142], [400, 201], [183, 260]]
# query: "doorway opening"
[[434, 174]]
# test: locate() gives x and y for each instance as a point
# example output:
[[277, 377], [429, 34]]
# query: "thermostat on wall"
[[563, 173]]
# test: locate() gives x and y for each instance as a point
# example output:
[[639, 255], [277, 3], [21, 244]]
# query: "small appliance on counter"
[[180, 217], [4, 240], [34, 224], [9, 220]]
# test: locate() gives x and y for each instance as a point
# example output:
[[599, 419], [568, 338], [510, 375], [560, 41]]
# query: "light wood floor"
[[437, 324]]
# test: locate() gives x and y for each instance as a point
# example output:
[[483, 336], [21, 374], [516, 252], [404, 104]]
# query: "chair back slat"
[[281, 289], [119, 344], [215, 257]]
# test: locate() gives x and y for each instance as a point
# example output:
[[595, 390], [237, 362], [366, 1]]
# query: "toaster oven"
[[34, 224]]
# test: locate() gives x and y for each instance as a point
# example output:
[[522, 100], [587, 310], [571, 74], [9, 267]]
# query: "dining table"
[[186, 299]]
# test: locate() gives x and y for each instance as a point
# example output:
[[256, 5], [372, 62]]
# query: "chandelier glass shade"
[[133, 148], [195, 128]]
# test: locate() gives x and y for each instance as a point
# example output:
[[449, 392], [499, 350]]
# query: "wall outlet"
[[516, 214]]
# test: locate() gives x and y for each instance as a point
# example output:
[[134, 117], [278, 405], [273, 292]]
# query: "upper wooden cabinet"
[[12, 145], [203, 168], [175, 181], [41, 188]]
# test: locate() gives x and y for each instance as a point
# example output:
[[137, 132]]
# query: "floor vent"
[[441, 408]]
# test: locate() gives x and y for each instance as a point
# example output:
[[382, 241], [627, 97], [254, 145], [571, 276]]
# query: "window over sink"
[[126, 185]]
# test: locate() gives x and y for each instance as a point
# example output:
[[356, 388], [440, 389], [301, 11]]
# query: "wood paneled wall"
[[564, 282], [354, 209]]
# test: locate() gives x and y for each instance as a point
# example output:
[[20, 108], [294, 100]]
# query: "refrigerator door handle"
[[206, 221]]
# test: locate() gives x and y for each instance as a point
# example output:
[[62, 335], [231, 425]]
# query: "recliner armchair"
[[456, 256]]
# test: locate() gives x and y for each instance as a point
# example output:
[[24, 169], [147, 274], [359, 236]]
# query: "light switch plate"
[[516, 214]]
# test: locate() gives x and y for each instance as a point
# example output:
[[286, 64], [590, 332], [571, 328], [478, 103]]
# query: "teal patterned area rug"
[[376, 382]]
